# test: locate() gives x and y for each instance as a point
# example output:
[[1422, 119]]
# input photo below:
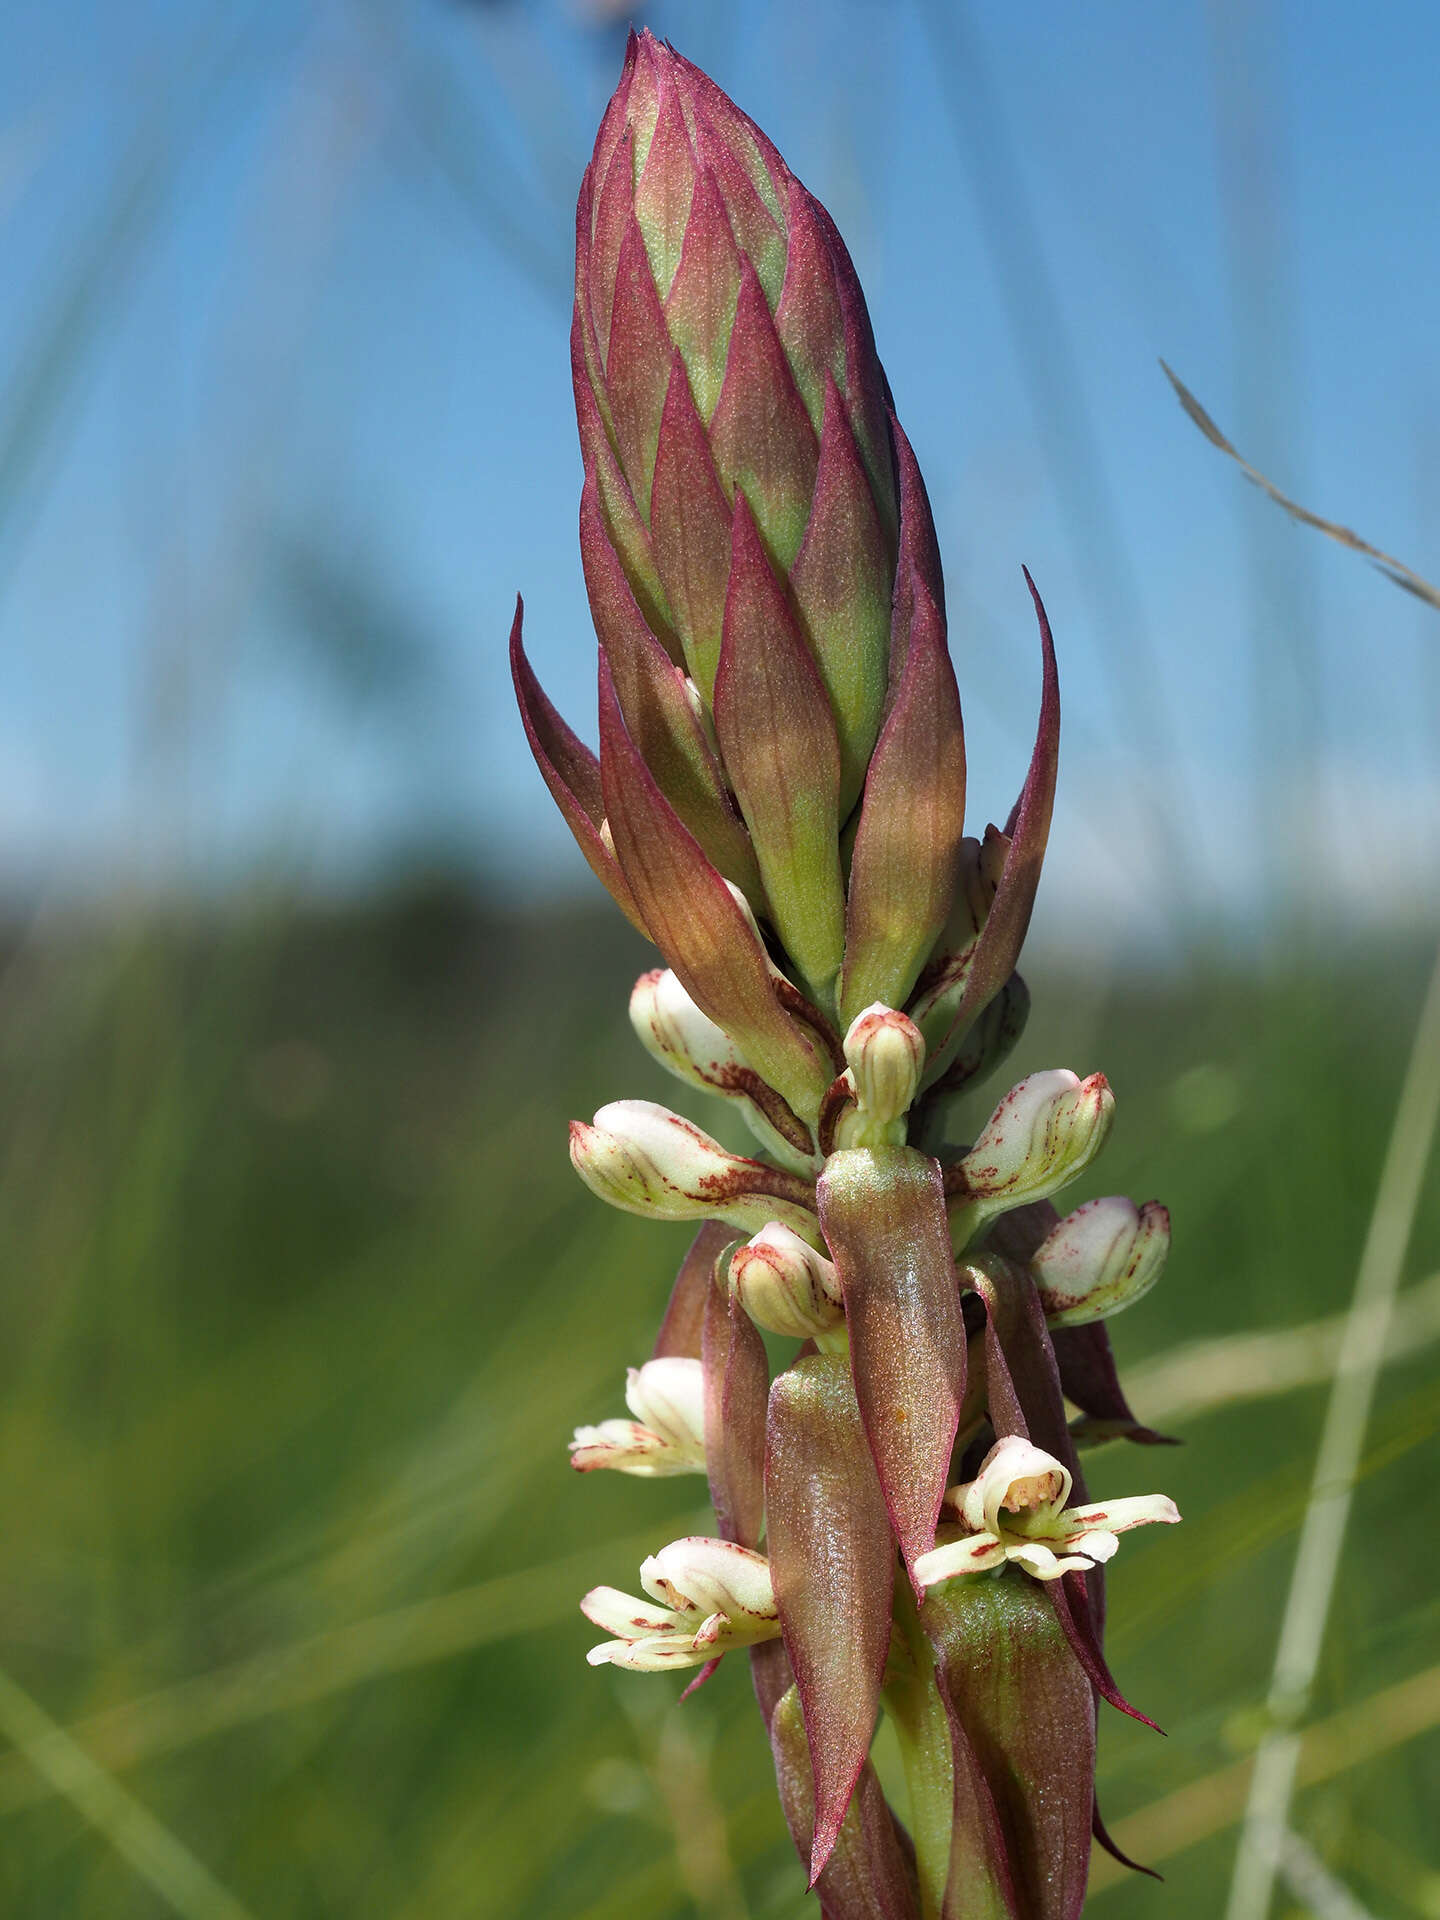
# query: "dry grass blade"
[[1208, 1806], [56, 347], [1205, 1375], [162, 1861], [1313, 1884], [286, 1678], [1322, 1533], [1392, 568]]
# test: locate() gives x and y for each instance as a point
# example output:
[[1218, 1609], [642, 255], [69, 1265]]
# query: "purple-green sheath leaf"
[[919, 551], [637, 365], [695, 920], [1071, 1600], [980, 1884], [867, 392], [700, 306], [690, 517], [657, 710], [777, 737], [868, 1876], [842, 583], [882, 1212], [1028, 1713], [760, 432], [572, 774], [737, 1386], [833, 1565], [1091, 1382], [998, 946], [912, 820], [808, 316], [681, 1331], [1020, 1359], [1102, 1838], [665, 189], [623, 525], [989, 1042]]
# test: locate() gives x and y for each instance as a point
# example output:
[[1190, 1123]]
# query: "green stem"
[[912, 1699]]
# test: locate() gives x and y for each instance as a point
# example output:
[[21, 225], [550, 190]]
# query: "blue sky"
[[329, 344]]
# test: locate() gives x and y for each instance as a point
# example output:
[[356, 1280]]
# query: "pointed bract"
[[572, 773], [736, 1388], [842, 583], [659, 715], [777, 735], [998, 947], [1088, 1375], [682, 1328], [912, 820], [1029, 1717], [833, 1566], [695, 920], [867, 1876], [690, 518], [883, 1215]]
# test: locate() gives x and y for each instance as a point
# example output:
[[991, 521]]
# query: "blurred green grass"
[[301, 1300]]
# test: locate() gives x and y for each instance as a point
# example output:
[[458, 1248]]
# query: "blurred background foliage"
[[299, 982]]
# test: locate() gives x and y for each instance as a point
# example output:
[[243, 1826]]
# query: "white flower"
[[712, 1595], [1015, 1510], [667, 1435]]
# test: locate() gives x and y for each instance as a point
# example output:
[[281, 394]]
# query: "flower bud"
[[885, 1053], [689, 1044], [1101, 1258], [674, 1031], [784, 1285], [1043, 1135], [644, 1159]]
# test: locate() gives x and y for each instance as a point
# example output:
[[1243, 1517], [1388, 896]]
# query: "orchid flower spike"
[[712, 1595], [667, 1435], [778, 802], [1015, 1509]]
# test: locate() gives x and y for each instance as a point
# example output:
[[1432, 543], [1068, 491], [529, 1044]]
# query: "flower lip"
[[1017, 1478], [1015, 1509]]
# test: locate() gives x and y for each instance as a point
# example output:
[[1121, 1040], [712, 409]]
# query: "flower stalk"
[[778, 803]]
